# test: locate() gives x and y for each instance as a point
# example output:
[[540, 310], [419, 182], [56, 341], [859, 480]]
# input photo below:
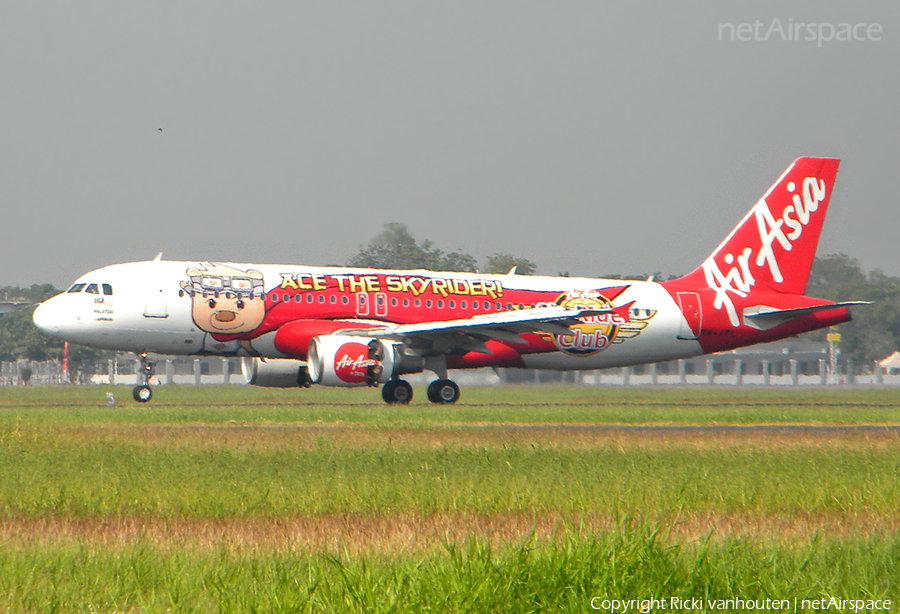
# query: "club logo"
[[598, 332]]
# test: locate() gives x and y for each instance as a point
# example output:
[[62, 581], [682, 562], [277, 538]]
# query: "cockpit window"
[[107, 290], [77, 288], [92, 289]]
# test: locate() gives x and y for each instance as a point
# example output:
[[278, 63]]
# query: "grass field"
[[518, 499]]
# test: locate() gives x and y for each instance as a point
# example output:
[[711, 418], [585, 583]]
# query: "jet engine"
[[336, 360], [275, 373]]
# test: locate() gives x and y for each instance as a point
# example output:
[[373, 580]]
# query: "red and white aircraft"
[[300, 325]]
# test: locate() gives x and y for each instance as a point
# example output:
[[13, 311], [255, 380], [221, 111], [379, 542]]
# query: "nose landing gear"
[[142, 392]]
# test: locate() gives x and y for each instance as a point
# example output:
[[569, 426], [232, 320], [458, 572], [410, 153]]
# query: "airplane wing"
[[469, 334], [10, 306], [762, 317]]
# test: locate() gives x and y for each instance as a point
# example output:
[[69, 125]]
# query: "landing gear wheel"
[[397, 391], [142, 394], [387, 391], [443, 391]]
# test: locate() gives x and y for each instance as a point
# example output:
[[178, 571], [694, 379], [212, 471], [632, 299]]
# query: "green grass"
[[44, 476], [517, 404], [244, 500], [468, 577]]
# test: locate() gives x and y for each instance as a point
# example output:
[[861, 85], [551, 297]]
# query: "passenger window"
[[92, 289], [77, 288], [107, 290]]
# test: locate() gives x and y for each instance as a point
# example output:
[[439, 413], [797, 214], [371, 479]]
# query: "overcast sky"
[[591, 137]]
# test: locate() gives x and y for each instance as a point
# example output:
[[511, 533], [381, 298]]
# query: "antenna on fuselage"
[[158, 257]]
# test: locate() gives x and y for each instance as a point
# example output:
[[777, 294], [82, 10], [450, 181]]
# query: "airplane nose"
[[46, 317]]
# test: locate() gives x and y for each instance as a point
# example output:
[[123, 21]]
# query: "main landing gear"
[[440, 391], [397, 391], [142, 392], [443, 391]]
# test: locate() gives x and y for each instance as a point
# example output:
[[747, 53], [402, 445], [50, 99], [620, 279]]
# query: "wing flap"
[[469, 334]]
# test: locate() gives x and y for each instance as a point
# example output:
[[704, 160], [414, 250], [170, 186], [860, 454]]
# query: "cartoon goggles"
[[242, 286]]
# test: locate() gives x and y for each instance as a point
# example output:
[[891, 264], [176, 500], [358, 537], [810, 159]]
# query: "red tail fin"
[[772, 249]]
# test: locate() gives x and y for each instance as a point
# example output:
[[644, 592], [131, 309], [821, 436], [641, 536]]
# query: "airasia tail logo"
[[353, 365], [759, 248]]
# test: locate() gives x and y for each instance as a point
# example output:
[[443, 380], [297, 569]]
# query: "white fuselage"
[[147, 311]]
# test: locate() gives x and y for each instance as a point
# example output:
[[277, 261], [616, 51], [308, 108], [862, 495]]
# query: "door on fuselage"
[[363, 307], [381, 305], [693, 315], [155, 305], [362, 304]]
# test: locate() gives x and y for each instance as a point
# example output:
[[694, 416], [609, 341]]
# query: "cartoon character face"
[[224, 299]]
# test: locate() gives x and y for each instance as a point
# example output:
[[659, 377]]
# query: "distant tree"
[[459, 261], [20, 338], [875, 330], [502, 263], [395, 233], [657, 276], [396, 248]]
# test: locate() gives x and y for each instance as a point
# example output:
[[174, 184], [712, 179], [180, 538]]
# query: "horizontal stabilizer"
[[762, 317]]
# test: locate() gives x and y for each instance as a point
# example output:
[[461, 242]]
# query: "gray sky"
[[590, 137]]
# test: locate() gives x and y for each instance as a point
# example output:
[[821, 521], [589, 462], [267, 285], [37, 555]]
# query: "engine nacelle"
[[275, 372], [336, 360]]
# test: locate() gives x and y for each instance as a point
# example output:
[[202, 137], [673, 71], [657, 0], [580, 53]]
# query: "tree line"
[[873, 334]]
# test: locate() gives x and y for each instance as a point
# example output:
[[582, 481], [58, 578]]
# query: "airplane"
[[10, 306], [300, 325]]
